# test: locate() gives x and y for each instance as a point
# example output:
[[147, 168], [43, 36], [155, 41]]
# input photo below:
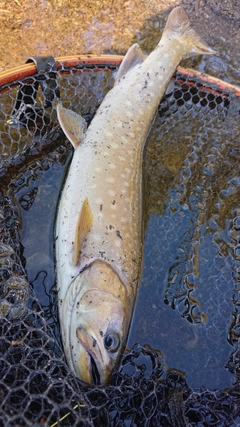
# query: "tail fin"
[[179, 27]]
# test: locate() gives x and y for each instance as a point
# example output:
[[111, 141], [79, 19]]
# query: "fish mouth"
[[91, 367], [94, 372]]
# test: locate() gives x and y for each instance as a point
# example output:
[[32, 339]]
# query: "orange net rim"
[[29, 70]]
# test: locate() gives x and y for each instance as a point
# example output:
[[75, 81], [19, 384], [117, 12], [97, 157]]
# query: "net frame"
[[8, 77]]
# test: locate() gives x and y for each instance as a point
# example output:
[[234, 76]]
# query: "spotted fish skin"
[[106, 170]]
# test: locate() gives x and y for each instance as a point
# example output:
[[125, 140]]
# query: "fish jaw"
[[97, 312], [95, 365]]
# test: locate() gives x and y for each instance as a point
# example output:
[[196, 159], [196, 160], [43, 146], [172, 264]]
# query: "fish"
[[99, 231]]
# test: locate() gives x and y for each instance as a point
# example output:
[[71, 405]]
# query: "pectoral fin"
[[133, 57], [73, 125], [84, 225]]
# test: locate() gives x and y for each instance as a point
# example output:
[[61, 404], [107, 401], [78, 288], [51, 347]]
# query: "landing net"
[[191, 262]]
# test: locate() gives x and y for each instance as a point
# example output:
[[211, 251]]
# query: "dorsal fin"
[[133, 57], [73, 125], [84, 225]]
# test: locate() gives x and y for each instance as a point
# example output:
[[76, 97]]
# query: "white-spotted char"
[[99, 222]]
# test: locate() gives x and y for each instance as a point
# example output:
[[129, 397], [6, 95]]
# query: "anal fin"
[[84, 225]]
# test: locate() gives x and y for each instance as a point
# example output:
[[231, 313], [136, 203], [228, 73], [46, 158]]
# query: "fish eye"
[[112, 342]]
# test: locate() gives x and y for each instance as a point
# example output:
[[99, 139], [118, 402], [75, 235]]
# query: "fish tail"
[[179, 27]]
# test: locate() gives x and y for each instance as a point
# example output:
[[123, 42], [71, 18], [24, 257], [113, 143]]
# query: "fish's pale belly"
[[109, 175]]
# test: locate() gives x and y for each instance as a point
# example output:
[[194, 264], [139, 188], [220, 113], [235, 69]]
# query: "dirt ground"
[[74, 27]]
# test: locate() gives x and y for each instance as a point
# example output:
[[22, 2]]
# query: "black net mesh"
[[191, 268]]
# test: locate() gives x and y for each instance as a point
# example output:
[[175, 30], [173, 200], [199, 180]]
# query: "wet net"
[[191, 262]]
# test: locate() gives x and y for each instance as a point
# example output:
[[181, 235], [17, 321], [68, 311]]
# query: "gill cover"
[[96, 306]]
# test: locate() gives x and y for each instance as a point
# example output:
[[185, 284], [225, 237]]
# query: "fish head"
[[99, 322], [99, 336]]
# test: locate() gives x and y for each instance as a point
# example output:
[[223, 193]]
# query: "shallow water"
[[184, 304]]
